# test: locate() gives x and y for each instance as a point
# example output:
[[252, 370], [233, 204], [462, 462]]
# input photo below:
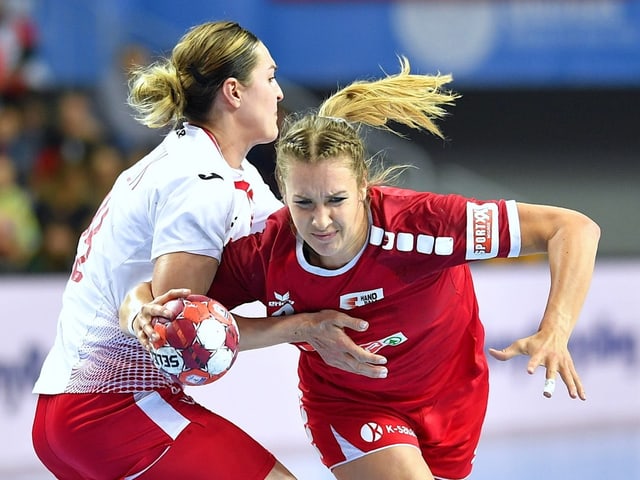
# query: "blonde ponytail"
[[405, 98]]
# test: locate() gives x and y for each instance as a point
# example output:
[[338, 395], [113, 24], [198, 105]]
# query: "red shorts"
[[447, 432], [154, 435]]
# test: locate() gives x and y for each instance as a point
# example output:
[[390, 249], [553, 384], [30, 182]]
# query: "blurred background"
[[549, 114]]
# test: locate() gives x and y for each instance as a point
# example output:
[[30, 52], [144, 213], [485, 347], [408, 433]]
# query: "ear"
[[230, 91], [364, 190]]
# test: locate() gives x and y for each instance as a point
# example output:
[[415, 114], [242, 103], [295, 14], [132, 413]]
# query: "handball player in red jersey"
[[400, 260]]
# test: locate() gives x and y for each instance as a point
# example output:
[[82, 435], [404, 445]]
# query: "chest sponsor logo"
[[390, 341], [350, 301]]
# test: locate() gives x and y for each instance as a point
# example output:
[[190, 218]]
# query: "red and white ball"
[[200, 344]]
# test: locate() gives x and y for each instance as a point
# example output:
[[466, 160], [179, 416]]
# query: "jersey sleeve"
[[241, 275], [191, 215], [473, 229], [446, 230]]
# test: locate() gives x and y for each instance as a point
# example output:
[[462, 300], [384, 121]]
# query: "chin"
[[326, 252], [271, 134]]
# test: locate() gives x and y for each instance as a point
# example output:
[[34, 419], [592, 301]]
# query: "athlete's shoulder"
[[188, 159], [388, 196], [400, 202], [192, 149]]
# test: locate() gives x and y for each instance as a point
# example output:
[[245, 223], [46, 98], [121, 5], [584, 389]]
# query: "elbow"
[[587, 232], [591, 229], [577, 231]]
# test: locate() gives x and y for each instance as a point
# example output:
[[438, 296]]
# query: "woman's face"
[[260, 99], [328, 210]]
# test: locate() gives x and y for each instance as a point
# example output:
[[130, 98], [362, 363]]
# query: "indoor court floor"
[[583, 455]]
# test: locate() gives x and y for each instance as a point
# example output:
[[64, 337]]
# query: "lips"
[[324, 237]]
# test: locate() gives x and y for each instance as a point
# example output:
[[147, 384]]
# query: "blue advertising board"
[[575, 43]]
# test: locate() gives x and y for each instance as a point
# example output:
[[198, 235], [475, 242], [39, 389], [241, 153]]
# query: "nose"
[[321, 218], [279, 93]]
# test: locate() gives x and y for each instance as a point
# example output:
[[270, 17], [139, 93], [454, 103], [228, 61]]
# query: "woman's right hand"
[[143, 327], [139, 308]]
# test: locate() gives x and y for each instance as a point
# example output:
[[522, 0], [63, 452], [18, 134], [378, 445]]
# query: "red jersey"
[[410, 281]]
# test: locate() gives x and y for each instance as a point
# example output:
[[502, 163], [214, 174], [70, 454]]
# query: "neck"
[[227, 145]]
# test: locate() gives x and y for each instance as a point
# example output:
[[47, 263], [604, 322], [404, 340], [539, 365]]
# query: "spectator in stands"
[[61, 179], [19, 229], [77, 129], [21, 70], [64, 207], [105, 164]]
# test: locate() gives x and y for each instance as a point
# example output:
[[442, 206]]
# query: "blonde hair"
[[184, 85], [412, 100]]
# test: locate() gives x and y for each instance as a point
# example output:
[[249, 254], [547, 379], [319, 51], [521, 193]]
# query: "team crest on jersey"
[[284, 302], [350, 301]]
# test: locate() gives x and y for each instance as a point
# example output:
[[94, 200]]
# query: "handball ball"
[[200, 344]]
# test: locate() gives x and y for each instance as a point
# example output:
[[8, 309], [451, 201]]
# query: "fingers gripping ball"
[[200, 344]]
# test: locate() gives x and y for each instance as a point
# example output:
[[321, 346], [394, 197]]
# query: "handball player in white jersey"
[[398, 259], [104, 410]]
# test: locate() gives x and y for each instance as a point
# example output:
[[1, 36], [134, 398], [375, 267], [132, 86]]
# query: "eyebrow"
[[341, 193]]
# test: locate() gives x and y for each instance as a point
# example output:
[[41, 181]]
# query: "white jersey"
[[182, 197]]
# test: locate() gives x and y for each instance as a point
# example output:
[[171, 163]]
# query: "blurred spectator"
[[10, 132], [54, 254], [64, 208], [21, 70], [76, 131], [19, 228], [105, 164], [22, 131], [62, 180], [36, 118], [130, 135]]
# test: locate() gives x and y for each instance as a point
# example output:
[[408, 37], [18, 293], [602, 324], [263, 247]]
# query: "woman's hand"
[[141, 322], [325, 332], [550, 351]]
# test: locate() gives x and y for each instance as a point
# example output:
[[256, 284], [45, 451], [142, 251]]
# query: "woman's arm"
[[172, 270], [570, 240], [183, 270], [324, 330]]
